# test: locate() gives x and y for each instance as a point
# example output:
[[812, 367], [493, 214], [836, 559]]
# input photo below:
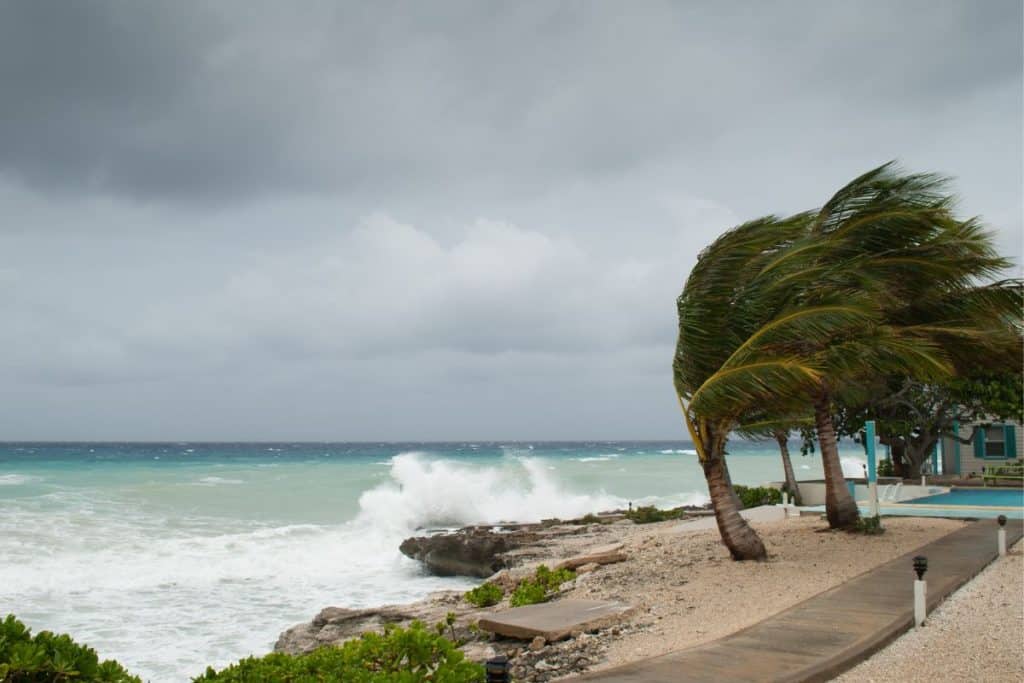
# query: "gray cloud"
[[485, 209]]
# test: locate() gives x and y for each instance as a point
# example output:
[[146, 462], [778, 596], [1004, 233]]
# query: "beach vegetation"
[[591, 518], [485, 595], [869, 526], [541, 587], [399, 655], [648, 514], [47, 656], [753, 496]]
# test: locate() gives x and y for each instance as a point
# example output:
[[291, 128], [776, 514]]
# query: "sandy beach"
[[688, 591]]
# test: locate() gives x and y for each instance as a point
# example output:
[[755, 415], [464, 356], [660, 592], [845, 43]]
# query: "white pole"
[[873, 498], [1002, 542], [922, 481], [919, 602]]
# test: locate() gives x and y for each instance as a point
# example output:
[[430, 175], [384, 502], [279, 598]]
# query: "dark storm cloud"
[[404, 220], [214, 101]]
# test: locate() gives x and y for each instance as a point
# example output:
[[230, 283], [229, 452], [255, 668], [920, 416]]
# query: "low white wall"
[[813, 492]]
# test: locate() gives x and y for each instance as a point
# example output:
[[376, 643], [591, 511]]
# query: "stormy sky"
[[444, 220]]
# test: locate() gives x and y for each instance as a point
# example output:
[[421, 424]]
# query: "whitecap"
[[597, 458], [17, 479], [218, 481]]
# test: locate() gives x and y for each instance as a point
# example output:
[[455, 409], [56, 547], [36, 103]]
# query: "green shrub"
[[49, 657], [485, 595], [752, 496], [871, 526], [649, 514], [541, 587], [398, 656], [886, 468], [591, 518]]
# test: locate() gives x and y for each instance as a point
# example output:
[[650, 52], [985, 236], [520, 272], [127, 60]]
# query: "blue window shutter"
[[1010, 434], [979, 443]]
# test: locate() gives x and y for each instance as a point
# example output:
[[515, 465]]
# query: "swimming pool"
[[980, 497]]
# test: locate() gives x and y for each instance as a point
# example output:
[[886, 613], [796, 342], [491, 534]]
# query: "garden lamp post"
[[1001, 534], [920, 567], [497, 670]]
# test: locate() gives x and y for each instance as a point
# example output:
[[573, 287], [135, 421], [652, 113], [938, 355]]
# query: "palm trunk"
[[897, 451], [840, 507], [787, 465], [741, 540]]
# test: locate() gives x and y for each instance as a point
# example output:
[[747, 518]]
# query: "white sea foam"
[[428, 493], [17, 479], [218, 481], [597, 458], [682, 451]]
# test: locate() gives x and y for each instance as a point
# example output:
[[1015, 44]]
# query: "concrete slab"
[[555, 620]]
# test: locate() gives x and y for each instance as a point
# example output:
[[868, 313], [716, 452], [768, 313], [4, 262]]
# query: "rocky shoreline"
[[676, 575], [502, 554]]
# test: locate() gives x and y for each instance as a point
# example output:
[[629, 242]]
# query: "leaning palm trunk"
[[787, 465], [741, 540], [840, 507]]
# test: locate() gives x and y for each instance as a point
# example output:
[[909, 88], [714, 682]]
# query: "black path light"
[[920, 566], [497, 670], [1001, 534], [920, 590]]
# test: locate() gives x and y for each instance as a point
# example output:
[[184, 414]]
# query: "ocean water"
[[169, 557]]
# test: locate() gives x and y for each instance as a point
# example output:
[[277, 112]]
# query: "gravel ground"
[[977, 634]]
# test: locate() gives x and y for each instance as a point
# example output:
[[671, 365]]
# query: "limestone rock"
[[473, 551], [606, 555]]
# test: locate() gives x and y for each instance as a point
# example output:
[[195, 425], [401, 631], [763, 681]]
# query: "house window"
[[995, 442]]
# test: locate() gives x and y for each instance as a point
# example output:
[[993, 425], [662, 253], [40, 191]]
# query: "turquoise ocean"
[[172, 556]]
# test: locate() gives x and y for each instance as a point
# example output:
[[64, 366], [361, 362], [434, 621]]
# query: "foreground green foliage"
[[650, 514], [398, 656], [47, 657], [752, 496], [541, 587], [485, 595]]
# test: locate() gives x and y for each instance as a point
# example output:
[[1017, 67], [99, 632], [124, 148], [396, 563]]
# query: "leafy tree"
[[911, 416]]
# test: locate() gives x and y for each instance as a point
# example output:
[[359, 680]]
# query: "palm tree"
[[797, 311], [893, 238], [734, 352]]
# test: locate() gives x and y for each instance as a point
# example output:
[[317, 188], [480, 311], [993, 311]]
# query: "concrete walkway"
[[827, 634]]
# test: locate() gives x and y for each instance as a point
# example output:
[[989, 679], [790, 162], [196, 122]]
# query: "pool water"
[[973, 498]]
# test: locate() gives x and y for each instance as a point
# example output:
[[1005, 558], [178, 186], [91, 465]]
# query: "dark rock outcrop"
[[473, 551]]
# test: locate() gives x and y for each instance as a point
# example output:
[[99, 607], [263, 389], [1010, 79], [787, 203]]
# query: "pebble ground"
[[977, 634]]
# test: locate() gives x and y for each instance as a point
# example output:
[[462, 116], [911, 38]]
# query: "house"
[[993, 444]]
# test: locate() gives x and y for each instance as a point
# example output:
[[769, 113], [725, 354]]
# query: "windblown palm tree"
[[735, 350], [893, 238], [786, 312]]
